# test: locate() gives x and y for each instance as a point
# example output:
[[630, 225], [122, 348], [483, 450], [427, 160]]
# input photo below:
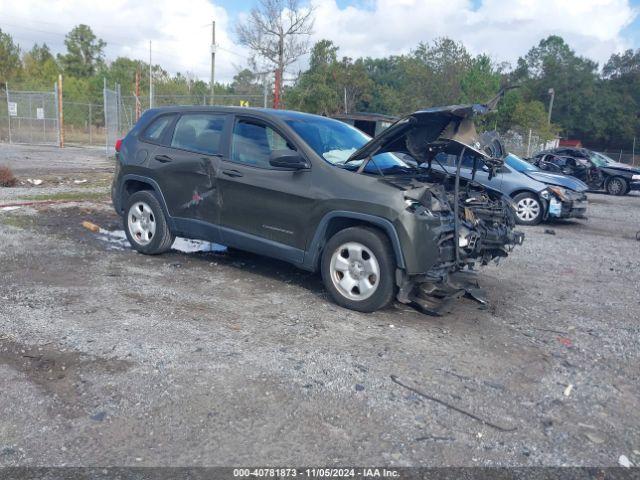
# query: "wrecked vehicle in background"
[[595, 169], [320, 194], [538, 195]]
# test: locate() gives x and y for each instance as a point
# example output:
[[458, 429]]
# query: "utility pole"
[[150, 79], [552, 93], [213, 60]]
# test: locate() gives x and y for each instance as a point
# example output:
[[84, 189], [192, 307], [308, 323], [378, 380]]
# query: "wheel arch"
[[131, 184], [335, 221], [515, 193]]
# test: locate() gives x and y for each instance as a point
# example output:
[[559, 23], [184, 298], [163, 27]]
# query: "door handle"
[[232, 173], [163, 158]]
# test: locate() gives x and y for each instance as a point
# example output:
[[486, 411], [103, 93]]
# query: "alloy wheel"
[[141, 223], [354, 271], [615, 186]]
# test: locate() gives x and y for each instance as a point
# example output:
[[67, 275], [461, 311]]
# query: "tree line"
[[600, 106]]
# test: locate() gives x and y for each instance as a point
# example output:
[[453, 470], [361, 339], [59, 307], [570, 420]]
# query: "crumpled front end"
[[486, 232]]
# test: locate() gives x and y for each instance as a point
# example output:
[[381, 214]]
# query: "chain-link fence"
[[32, 117], [525, 143], [83, 123], [111, 118]]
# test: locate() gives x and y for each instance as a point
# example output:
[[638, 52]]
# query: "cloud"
[[180, 31], [504, 30]]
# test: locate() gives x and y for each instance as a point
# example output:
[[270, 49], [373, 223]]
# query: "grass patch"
[[70, 196], [18, 221]]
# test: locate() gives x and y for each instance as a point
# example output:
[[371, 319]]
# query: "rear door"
[[259, 201], [186, 167]]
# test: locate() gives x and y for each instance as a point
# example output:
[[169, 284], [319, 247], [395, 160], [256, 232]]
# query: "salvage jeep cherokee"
[[319, 194]]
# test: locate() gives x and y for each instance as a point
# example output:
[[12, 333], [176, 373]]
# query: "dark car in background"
[[537, 195], [595, 169], [317, 193]]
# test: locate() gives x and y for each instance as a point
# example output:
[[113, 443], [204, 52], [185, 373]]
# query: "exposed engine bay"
[[475, 224]]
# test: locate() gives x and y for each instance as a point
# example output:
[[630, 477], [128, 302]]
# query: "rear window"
[[154, 131], [199, 132]]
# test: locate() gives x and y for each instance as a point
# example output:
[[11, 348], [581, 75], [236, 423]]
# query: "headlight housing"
[[635, 177], [545, 194], [559, 192]]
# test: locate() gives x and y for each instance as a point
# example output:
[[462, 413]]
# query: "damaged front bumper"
[[571, 205], [486, 232]]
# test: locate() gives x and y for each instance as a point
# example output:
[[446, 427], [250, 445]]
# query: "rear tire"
[[145, 224], [617, 186], [358, 269], [528, 209]]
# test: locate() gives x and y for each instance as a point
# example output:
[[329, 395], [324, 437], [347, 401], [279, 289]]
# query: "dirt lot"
[[108, 357]]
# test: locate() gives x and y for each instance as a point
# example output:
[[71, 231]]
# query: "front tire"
[[528, 209], [358, 269], [617, 186], [145, 224]]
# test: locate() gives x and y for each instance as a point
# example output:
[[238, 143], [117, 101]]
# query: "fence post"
[[104, 108], [6, 86], [60, 113], [90, 120]]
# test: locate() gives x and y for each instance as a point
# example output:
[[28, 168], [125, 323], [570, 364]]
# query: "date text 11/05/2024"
[[316, 472]]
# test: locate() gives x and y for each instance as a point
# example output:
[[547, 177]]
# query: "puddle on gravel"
[[117, 240]]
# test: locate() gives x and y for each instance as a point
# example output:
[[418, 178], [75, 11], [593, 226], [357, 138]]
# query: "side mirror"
[[287, 160]]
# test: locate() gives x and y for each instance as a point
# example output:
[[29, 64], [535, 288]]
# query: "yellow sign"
[[244, 103]]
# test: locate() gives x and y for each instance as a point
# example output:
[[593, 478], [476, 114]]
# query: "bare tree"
[[277, 32]]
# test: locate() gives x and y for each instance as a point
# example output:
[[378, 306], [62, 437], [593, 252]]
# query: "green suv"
[[370, 214]]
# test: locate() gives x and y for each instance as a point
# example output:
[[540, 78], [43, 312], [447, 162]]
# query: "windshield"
[[600, 159], [336, 141], [520, 165]]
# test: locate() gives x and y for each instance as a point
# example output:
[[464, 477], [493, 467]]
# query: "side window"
[[199, 132], [253, 142], [154, 131]]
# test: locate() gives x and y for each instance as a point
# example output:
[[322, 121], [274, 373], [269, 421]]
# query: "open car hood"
[[414, 133]]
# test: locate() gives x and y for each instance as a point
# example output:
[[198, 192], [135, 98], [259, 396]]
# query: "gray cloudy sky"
[[181, 31]]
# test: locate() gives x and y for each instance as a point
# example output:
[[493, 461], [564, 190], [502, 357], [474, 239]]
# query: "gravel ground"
[[108, 357]]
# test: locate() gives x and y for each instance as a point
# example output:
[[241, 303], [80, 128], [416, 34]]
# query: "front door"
[[186, 167], [261, 204]]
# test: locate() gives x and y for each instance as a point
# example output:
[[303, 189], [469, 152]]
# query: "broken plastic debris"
[[91, 226], [567, 391], [34, 181], [565, 341], [623, 461], [594, 438], [78, 182], [117, 239], [549, 231], [10, 208]]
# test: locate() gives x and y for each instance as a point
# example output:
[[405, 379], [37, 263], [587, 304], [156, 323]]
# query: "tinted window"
[[253, 143], [199, 133], [156, 129]]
